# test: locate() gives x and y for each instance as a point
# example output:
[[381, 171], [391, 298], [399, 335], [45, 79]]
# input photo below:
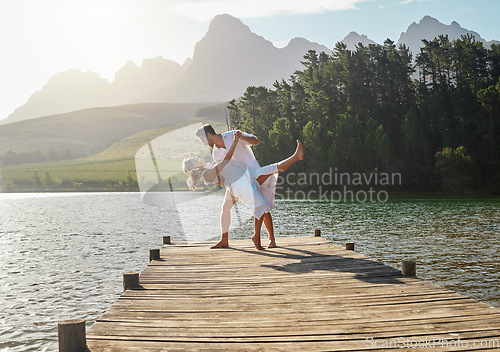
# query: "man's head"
[[207, 135]]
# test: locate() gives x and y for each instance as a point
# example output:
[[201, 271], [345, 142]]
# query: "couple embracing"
[[236, 168]]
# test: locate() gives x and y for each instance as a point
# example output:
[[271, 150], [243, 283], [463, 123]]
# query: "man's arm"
[[249, 138]]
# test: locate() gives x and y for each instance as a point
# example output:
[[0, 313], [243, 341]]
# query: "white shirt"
[[243, 154]]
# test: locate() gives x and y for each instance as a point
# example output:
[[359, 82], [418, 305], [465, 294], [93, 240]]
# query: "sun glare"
[[94, 20], [92, 32]]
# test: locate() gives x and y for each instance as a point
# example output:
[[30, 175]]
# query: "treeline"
[[12, 158], [434, 120], [78, 175], [50, 182]]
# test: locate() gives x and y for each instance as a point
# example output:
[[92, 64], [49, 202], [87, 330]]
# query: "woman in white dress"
[[243, 183]]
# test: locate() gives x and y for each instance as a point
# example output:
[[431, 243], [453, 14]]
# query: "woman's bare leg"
[[256, 236], [282, 166], [285, 164], [298, 155], [268, 222], [262, 178]]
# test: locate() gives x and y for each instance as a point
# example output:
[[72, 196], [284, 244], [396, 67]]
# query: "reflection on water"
[[455, 241], [63, 255]]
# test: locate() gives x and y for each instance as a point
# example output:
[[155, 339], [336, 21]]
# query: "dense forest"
[[433, 118]]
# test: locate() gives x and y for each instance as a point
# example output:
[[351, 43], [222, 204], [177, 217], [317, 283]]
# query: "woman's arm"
[[211, 174], [230, 152]]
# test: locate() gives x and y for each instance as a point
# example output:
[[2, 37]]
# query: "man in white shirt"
[[243, 154]]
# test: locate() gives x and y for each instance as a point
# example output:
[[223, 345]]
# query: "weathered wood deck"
[[308, 294]]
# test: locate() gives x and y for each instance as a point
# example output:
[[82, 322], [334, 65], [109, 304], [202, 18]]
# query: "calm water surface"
[[63, 255]]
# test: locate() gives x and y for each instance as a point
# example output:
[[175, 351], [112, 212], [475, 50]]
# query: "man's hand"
[[250, 140]]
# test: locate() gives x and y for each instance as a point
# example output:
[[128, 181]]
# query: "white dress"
[[243, 154], [242, 183]]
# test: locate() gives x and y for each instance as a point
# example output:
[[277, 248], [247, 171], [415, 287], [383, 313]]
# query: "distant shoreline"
[[391, 194]]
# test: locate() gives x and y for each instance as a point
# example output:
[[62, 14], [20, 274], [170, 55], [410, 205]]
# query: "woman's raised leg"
[[285, 164]]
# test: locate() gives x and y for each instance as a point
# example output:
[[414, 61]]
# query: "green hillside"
[[82, 132], [114, 169]]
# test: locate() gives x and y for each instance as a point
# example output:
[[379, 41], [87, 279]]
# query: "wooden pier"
[[306, 295]]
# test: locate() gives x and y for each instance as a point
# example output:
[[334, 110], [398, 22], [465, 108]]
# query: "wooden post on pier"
[[409, 268], [71, 335], [317, 232], [130, 280], [154, 254], [166, 239], [349, 246]]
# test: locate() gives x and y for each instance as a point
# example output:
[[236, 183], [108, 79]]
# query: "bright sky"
[[41, 38]]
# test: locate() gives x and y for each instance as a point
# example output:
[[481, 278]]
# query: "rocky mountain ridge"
[[229, 58]]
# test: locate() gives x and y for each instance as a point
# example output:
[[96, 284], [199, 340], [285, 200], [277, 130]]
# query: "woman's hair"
[[192, 168]]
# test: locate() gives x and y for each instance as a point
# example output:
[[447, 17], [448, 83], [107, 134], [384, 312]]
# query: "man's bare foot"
[[299, 152], [272, 244], [220, 244], [256, 242]]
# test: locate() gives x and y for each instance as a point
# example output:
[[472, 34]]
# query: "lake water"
[[63, 255]]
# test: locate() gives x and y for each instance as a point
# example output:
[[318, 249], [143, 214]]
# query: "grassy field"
[[114, 169], [84, 175], [75, 175]]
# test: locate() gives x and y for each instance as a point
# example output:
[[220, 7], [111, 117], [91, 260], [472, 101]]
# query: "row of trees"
[[45, 181], [433, 119], [12, 158]]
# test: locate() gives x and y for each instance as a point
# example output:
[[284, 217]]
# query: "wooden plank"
[[305, 325], [380, 330], [308, 294]]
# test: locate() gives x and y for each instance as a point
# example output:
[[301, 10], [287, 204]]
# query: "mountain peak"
[[298, 47], [430, 28], [129, 64], [65, 91], [298, 41], [225, 36], [222, 24], [428, 20], [353, 39], [356, 35]]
